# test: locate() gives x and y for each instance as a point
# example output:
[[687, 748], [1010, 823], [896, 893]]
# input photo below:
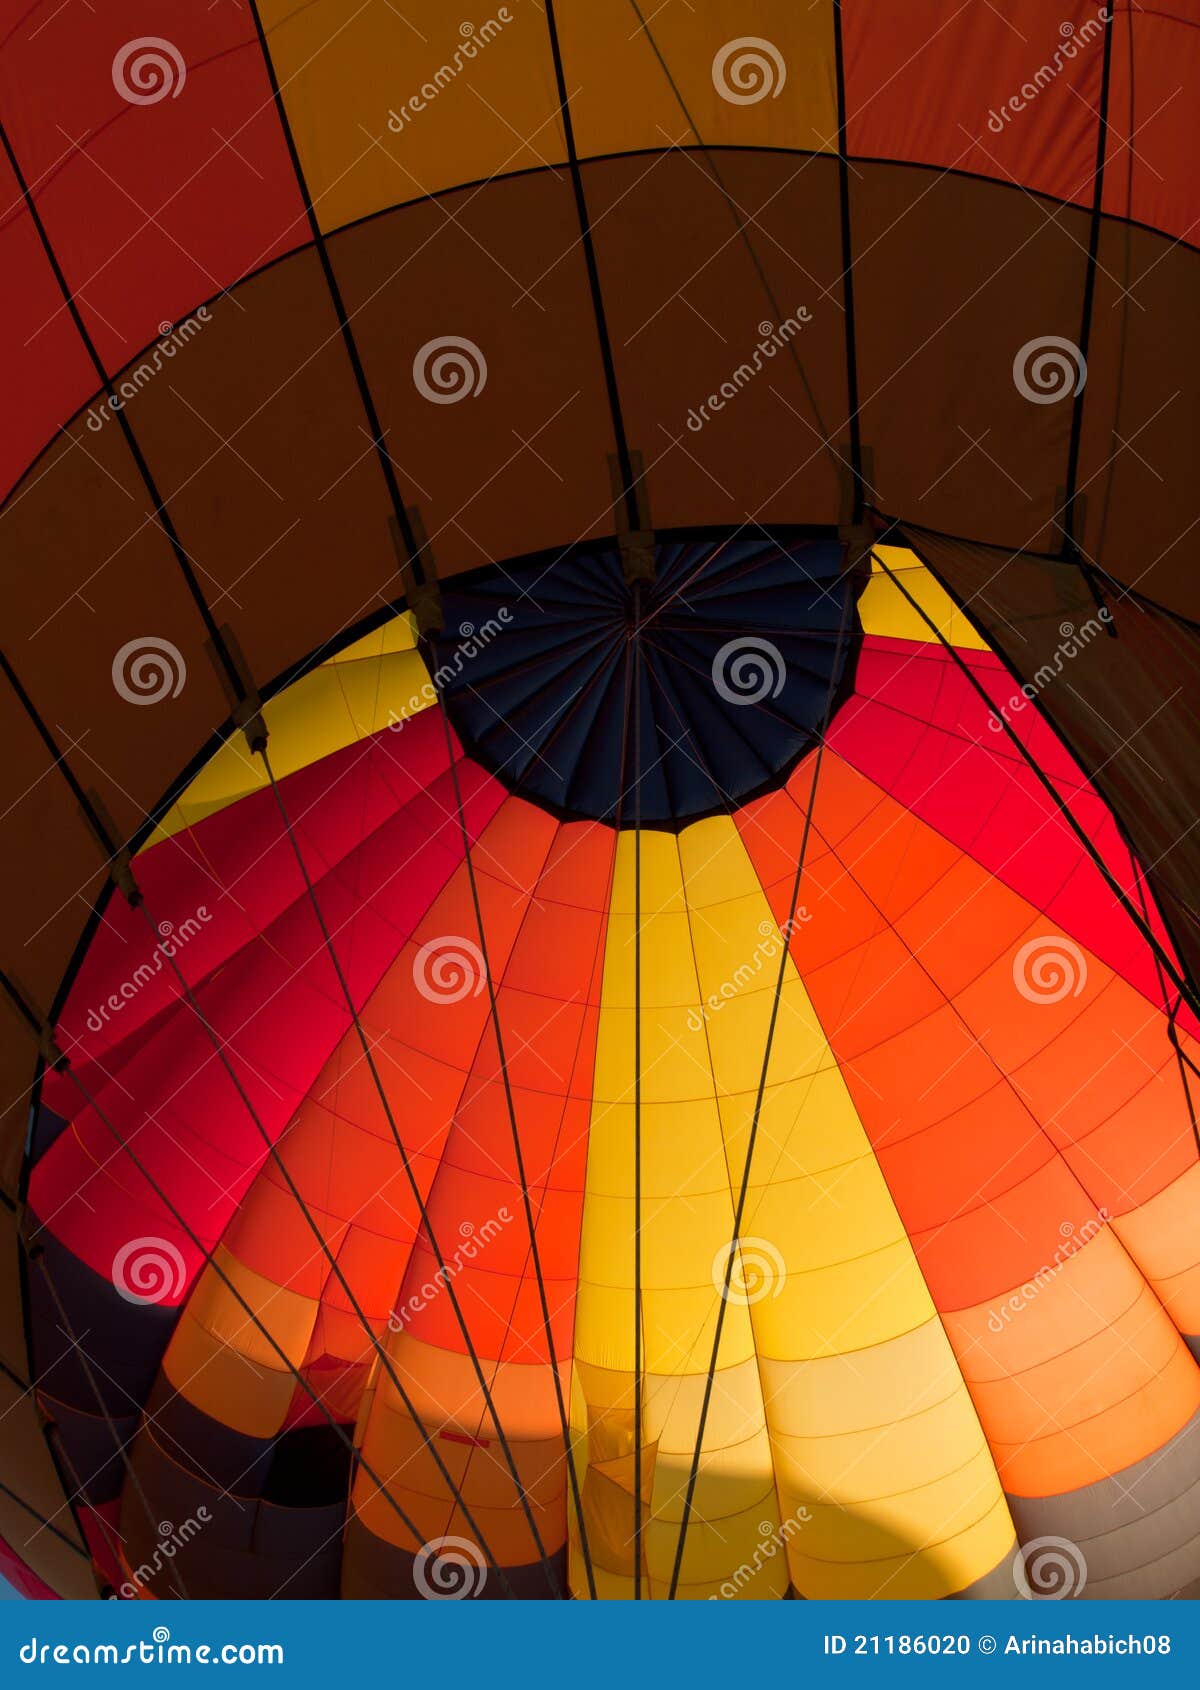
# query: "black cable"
[[743, 1191], [160, 512], [1177, 980], [624, 457], [414, 1186], [37, 1255], [510, 1104], [636, 666], [211, 1261], [322, 1243]]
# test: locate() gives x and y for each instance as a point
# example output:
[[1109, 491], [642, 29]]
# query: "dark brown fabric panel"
[[89, 570], [18, 1061], [258, 440], [51, 868], [500, 267], [731, 290], [12, 1332], [29, 1469], [1128, 707], [1141, 439], [952, 278], [238, 1547]]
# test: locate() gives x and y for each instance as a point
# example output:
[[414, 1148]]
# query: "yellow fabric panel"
[[374, 683], [839, 1278], [389, 103], [883, 1448], [885, 610], [841, 1440], [941, 1567], [792, 74], [687, 1222], [223, 1363]]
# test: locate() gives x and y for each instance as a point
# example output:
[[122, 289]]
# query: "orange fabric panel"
[[1077, 1374], [1163, 1240], [966, 1080], [547, 1005]]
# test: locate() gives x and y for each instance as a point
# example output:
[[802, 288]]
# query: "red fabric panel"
[[1000, 1119], [918, 729], [1153, 106], [44, 360], [930, 82], [278, 1004], [151, 208], [229, 878]]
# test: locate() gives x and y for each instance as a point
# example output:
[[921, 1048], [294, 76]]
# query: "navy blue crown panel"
[[735, 657]]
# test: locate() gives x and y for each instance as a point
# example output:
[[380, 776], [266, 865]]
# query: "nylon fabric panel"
[[542, 895], [282, 1006], [216, 888], [518, 461], [1127, 712], [687, 1222], [876, 1447], [948, 336], [377, 682], [748, 422], [1048, 63], [936, 1041], [151, 205], [387, 108], [919, 729], [252, 434], [775, 89], [51, 369], [1156, 69]]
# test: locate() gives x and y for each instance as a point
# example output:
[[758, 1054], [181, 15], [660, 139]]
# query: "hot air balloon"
[[600, 949]]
